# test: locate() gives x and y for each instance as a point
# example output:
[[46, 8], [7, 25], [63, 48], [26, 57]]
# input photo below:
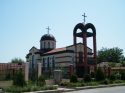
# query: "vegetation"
[[15, 89], [19, 80], [87, 78], [99, 75], [17, 60], [41, 81], [73, 79], [110, 55]]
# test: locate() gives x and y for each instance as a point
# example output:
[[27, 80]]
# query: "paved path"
[[118, 89]]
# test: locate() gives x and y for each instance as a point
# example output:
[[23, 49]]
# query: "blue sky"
[[23, 22]]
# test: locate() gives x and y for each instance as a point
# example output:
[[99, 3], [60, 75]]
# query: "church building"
[[53, 58], [76, 59]]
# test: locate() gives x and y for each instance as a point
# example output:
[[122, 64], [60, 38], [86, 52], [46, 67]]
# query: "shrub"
[[122, 75], [118, 81], [87, 78], [73, 79], [92, 75], [100, 75], [106, 81], [19, 79], [113, 77], [118, 76], [41, 81]]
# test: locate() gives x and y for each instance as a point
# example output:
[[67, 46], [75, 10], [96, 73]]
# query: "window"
[[44, 44], [48, 44], [48, 62]]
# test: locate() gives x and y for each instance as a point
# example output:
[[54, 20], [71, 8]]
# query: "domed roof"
[[48, 37]]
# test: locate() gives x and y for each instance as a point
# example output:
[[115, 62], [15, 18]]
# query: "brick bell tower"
[[83, 66]]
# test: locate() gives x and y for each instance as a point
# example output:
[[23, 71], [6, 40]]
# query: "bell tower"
[[84, 35]]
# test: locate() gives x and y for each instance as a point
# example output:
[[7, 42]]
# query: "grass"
[[92, 83], [15, 89]]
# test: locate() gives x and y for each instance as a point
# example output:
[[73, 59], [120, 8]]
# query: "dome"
[[48, 37]]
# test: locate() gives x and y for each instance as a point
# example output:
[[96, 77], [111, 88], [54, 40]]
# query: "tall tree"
[[17, 60], [110, 55]]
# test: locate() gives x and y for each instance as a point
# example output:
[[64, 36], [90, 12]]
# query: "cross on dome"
[[48, 29]]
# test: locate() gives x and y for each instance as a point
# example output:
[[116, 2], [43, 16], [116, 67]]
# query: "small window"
[[44, 44], [48, 44]]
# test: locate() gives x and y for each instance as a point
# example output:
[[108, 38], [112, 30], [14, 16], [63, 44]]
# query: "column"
[[26, 71], [39, 69]]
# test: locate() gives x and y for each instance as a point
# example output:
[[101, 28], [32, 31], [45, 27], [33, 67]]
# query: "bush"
[[118, 76], [92, 75], [118, 81], [87, 78], [106, 81], [113, 77], [41, 81], [122, 75], [19, 79], [100, 75], [73, 79]]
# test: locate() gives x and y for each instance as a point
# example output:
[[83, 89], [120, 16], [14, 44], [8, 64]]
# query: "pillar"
[[26, 71], [39, 69]]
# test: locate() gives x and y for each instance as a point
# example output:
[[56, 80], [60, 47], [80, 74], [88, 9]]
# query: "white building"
[[55, 58]]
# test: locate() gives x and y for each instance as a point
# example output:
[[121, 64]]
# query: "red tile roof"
[[56, 50]]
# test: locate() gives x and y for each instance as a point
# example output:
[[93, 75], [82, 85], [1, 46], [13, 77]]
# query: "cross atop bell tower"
[[48, 29], [84, 17]]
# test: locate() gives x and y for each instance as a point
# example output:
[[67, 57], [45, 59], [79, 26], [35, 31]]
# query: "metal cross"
[[84, 17], [48, 29]]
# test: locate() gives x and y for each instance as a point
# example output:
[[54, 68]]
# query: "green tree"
[[110, 55], [17, 60]]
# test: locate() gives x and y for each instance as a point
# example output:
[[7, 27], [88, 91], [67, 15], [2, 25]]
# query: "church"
[[73, 59]]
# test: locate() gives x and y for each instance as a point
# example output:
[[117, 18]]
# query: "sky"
[[23, 22]]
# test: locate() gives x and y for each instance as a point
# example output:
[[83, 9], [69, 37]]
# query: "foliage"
[[87, 78], [122, 75], [19, 79], [41, 81], [92, 75], [99, 75], [118, 76], [17, 60], [118, 81], [106, 81], [15, 89], [110, 55], [73, 79], [113, 77]]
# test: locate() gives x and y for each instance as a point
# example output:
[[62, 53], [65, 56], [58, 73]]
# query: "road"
[[118, 89]]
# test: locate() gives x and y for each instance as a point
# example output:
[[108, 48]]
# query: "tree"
[[110, 55], [17, 60]]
